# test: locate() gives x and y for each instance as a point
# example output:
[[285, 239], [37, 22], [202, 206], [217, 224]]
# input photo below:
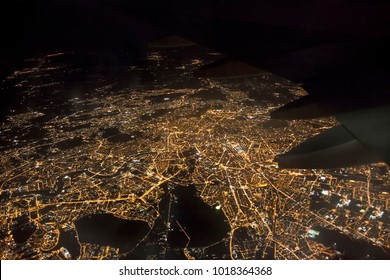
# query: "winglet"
[[303, 108], [170, 41], [228, 69]]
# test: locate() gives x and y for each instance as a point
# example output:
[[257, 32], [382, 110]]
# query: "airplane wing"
[[337, 50]]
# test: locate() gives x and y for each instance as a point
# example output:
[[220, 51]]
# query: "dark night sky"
[[32, 28], [252, 31]]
